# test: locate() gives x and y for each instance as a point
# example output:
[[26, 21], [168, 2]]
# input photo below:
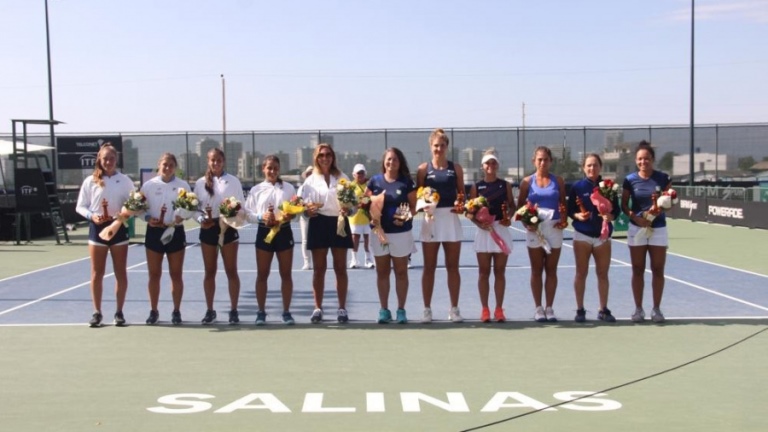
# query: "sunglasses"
[[323, 155]]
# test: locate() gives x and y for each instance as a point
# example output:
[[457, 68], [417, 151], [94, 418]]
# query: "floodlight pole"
[[223, 112], [691, 127], [50, 86]]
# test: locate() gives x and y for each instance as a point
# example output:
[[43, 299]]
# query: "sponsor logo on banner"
[[726, 212], [88, 161], [28, 190]]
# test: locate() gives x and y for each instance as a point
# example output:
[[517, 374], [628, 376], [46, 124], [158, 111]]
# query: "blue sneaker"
[[341, 316], [385, 316], [401, 319], [288, 319], [261, 318]]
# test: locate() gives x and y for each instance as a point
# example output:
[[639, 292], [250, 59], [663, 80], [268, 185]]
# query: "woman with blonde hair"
[[443, 226], [100, 201], [212, 189], [161, 191], [319, 190]]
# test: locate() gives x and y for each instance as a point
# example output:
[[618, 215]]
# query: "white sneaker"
[[368, 263], [550, 313], [306, 266], [427, 317], [353, 263], [639, 315], [657, 316], [539, 315], [454, 315]]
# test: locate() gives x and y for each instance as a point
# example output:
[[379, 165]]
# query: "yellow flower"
[[343, 182]]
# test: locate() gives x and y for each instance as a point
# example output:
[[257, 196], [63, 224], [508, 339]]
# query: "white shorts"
[[360, 229], [552, 235], [593, 241], [444, 226], [658, 237], [484, 242], [400, 245]]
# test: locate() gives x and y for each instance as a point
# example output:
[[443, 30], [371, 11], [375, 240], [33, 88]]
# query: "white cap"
[[488, 157], [358, 168]]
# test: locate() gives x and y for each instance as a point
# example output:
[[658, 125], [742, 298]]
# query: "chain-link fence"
[[722, 152]]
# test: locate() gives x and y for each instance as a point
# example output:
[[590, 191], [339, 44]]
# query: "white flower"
[[194, 202], [534, 220], [601, 184], [339, 187], [191, 195], [616, 186]]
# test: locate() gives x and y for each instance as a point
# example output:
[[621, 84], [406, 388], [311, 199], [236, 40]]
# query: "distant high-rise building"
[[322, 138], [130, 159], [189, 164], [470, 158], [233, 151], [304, 157]]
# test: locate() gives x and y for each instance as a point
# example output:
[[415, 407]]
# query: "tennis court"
[[703, 369]]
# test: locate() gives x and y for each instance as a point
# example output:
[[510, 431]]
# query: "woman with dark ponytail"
[[101, 200], [212, 189]]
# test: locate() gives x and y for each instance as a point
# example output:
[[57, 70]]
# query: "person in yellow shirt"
[[359, 222]]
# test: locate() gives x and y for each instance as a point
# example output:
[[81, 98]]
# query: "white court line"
[[58, 293], [330, 269]]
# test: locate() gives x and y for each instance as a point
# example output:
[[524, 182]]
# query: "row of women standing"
[[103, 193]]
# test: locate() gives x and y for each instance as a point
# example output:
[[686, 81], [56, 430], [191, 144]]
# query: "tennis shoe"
[[234, 316], [427, 317], [550, 313], [210, 317], [498, 315], [401, 319], [317, 316], [176, 317], [638, 316], [96, 319], [581, 315], [153, 317], [342, 317], [119, 319], [454, 315], [485, 315], [539, 315], [261, 318], [288, 318], [605, 315], [385, 316], [657, 316]]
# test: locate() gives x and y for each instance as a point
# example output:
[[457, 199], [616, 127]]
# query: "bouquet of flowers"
[[609, 189], [287, 210], [529, 216], [604, 206], [364, 205], [427, 199], [667, 199], [230, 215], [472, 205], [478, 208], [345, 193], [376, 209], [185, 204], [135, 204]]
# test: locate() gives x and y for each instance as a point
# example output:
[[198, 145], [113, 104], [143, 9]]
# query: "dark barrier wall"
[[747, 214]]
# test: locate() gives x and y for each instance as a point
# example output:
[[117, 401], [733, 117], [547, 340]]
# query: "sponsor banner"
[[80, 152], [689, 208], [739, 213]]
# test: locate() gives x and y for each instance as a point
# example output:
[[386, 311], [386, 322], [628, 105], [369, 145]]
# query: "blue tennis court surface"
[[694, 290]]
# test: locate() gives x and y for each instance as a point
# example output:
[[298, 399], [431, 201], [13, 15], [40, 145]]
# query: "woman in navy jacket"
[[587, 223]]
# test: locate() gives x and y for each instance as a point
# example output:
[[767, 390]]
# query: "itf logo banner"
[[80, 152]]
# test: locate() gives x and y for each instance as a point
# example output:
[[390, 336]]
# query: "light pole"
[[691, 127], [50, 84], [223, 112]]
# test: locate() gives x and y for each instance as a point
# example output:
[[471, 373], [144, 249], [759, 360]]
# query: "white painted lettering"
[[411, 402], [728, 212], [313, 402], [176, 399], [596, 403], [374, 402], [499, 400], [268, 402]]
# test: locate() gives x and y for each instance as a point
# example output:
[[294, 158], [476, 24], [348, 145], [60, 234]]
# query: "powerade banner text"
[[80, 152]]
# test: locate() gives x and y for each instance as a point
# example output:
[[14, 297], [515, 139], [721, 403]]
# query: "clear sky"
[[155, 65]]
